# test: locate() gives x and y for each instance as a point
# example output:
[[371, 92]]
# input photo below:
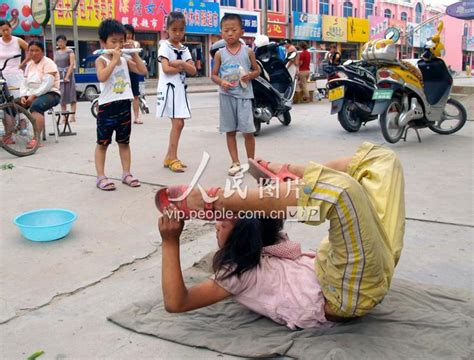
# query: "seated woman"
[[40, 88], [362, 197]]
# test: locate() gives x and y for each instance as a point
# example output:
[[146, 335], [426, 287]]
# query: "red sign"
[[147, 15], [276, 27]]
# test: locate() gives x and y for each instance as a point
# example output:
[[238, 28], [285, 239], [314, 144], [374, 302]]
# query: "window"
[[376, 11], [369, 8], [270, 4], [347, 9], [355, 12], [387, 13], [403, 16], [229, 2], [332, 9], [418, 11], [277, 5], [324, 7], [297, 5]]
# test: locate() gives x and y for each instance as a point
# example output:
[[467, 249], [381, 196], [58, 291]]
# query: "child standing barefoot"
[[114, 102], [172, 101], [234, 68]]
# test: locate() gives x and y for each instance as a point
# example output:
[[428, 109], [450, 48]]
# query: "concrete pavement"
[[56, 296]]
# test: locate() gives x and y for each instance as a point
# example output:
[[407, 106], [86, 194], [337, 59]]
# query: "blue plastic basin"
[[45, 224]]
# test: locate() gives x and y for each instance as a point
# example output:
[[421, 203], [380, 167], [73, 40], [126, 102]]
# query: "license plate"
[[336, 93], [382, 94]]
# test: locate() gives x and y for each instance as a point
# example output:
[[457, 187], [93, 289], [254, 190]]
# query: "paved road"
[[56, 296]]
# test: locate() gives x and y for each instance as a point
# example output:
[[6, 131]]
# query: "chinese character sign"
[[276, 27], [250, 20], [378, 25], [148, 15], [89, 12], [201, 17], [358, 30], [334, 29], [307, 26], [18, 14]]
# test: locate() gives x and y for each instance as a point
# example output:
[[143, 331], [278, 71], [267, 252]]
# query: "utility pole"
[[52, 8], [264, 17], [75, 34]]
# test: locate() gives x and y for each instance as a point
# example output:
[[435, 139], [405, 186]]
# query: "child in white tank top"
[[115, 102]]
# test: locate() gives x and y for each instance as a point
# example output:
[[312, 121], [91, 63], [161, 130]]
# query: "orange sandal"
[[258, 168], [175, 165], [177, 194]]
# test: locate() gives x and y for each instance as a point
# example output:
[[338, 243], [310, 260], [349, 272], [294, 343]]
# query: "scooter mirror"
[[392, 34]]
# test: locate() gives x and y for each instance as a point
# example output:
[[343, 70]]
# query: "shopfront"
[[468, 53], [90, 14], [148, 19], [276, 26], [202, 21], [250, 22], [307, 27], [334, 31], [357, 34]]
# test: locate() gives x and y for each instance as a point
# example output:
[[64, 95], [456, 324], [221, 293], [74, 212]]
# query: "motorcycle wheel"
[[285, 118], [389, 122], [95, 108], [347, 118], [258, 126], [454, 118]]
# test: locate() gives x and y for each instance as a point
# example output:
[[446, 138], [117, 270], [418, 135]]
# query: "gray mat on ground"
[[414, 321]]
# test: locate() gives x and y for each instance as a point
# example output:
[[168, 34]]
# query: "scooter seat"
[[263, 72], [436, 79]]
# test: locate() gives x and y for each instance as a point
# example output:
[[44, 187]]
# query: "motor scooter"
[[414, 97]]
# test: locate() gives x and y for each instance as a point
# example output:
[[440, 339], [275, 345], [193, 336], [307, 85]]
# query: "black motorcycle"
[[273, 89], [350, 89]]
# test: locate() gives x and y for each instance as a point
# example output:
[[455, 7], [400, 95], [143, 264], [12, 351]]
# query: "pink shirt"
[[34, 73], [283, 288]]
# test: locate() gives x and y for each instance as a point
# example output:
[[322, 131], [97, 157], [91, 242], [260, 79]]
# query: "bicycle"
[[144, 109], [18, 127]]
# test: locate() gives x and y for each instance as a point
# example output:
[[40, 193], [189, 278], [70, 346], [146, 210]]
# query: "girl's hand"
[[170, 225], [179, 64], [66, 79]]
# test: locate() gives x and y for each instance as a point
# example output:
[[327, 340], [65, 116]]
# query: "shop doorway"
[[197, 48]]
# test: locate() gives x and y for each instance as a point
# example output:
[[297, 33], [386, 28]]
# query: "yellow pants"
[[366, 211]]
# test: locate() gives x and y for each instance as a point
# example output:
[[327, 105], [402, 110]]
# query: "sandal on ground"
[[129, 180], [234, 169], [8, 140], [32, 144], [138, 121], [258, 168], [167, 163], [103, 183], [174, 165], [173, 194]]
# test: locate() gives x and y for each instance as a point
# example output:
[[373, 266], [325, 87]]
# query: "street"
[[56, 296]]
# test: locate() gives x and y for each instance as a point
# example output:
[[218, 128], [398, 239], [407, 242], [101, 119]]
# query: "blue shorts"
[[45, 102], [114, 116]]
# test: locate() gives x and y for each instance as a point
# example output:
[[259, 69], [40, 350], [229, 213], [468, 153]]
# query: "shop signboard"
[[378, 25], [358, 30], [469, 46], [413, 36], [18, 13], [144, 15], [334, 29], [307, 26], [201, 17], [276, 27], [462, 10], [250, 20], [90, 13]]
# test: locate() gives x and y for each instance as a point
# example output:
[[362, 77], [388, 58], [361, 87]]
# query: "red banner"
[[276, 30], [145, 15]]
